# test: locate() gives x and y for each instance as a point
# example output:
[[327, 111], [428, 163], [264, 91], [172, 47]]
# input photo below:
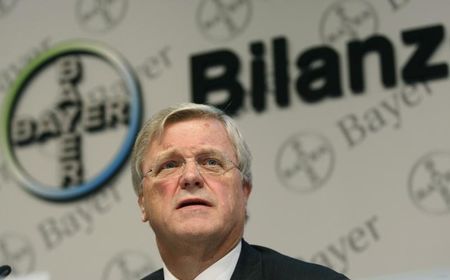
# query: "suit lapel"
[[249, 265], [157, 275]]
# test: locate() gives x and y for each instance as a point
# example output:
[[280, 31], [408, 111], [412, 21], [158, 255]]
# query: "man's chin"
[[198, 230]]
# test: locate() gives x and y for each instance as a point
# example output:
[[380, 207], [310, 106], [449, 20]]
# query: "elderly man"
[[191, 172]]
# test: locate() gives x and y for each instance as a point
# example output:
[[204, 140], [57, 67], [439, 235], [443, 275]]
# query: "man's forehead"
[[196, 128], [212, 137]]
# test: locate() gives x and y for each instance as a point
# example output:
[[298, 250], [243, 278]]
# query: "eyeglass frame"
[[175, 155]]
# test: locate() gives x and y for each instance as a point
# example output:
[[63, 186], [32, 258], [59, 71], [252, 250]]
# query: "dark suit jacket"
[[260, 263]]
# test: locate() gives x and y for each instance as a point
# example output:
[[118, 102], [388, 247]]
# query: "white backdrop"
[[356, 181]]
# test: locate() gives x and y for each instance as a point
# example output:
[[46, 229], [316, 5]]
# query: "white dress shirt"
[[220, 270]]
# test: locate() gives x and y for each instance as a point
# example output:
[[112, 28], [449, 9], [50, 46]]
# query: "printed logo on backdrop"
[[223, 20], [128, 265], [348, 20], [339, 253], [100, 15], [305, 162], [390, 112], [18, 252], [6, 6], [9, 72], [429, 183], [69, 122]]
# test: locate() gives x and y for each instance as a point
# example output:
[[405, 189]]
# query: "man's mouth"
[[193, 202]]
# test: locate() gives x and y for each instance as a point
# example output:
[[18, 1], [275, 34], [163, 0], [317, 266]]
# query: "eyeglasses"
[[207, 164]]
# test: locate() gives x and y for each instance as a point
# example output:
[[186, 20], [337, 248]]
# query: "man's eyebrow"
[[167, 153], [176, 151], [209, 151]]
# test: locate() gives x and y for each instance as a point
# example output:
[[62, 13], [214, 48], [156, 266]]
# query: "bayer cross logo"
[[128, 265], [429, 183], [222, 20], [305, 161], [348, 20], [100, 15], [69, 122], [17, 252]]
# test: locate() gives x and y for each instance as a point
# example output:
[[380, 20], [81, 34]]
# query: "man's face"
[[193, 204]]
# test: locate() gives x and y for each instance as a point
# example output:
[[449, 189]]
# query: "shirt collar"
[[220, 270]]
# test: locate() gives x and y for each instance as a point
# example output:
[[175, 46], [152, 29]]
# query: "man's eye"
[[212, 162], [169, 165]]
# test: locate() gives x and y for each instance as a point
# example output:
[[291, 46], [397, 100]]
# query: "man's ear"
[[247, 187], [141, 202]]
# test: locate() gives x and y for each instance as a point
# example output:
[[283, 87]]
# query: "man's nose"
[[191, 176]]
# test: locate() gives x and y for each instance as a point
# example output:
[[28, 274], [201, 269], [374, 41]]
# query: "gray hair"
[[154, 127]]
